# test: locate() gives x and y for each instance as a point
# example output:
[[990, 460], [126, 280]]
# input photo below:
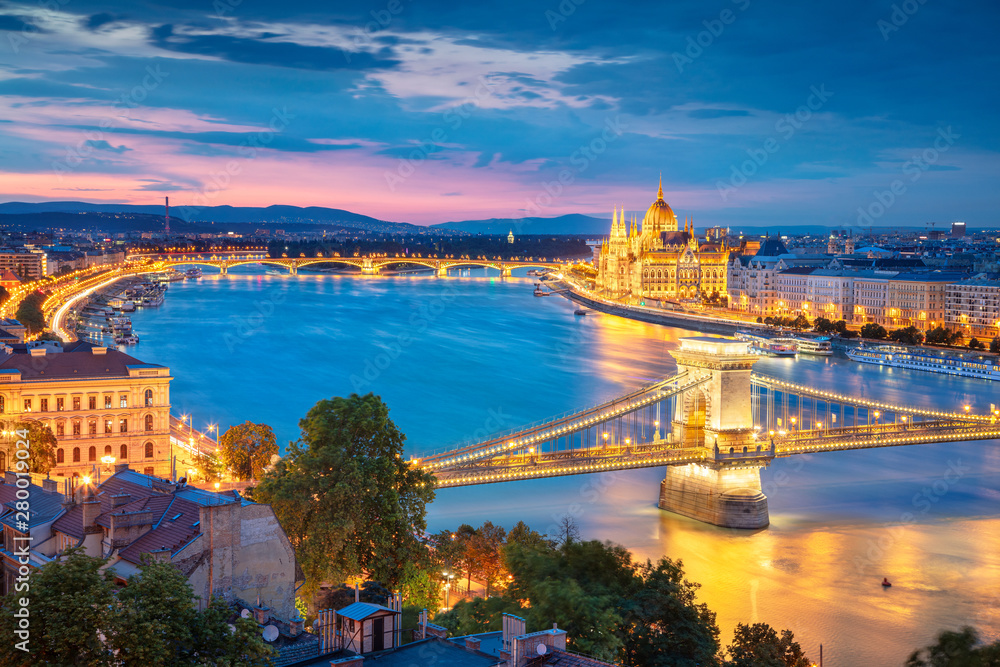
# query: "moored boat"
[[818, 346], [949, 363]]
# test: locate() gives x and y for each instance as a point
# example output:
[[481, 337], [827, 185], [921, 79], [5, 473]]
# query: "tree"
[[29, 312], [50, 335], [209, 467], [874, 331], [670, 626], [759, 645], [486, 554], [247, 448], [521, 534], [41, 446], [995, 345], [823, 325], [342, 595], [801, 322], [568, 530], [957, 649], [71, 603], [908, 336], [976, 344], [347, 500]]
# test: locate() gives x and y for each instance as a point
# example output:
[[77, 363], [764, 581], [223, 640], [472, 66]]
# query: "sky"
[[839, 113]]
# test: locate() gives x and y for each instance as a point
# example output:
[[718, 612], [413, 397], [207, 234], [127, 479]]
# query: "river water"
[[465, 356]]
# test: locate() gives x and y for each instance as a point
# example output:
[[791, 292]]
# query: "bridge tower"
[[505, 271], [441, 269], [725, 490], [224, 268], [368, 267]]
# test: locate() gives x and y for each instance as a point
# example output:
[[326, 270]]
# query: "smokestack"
[[168, 213]]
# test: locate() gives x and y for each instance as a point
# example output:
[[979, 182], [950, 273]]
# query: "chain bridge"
[[723, 424]]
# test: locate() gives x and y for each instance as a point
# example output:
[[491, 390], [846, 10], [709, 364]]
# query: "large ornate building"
[[658, 260]]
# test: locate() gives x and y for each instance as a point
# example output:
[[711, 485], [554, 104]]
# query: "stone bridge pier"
[[725, 490]]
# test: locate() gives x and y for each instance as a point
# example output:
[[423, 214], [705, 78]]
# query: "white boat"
[[273, 272], [770, 347], [818, 346], [193, 273], [131, 339], [949, 363], [128, 307]]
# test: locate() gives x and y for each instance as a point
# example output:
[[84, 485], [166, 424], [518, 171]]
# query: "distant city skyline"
[[847, 115]]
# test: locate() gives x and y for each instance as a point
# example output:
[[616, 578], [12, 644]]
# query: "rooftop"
[[72, 360]]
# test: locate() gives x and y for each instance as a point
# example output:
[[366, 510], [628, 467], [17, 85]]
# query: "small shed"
[[364, 627]]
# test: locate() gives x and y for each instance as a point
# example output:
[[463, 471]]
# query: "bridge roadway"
[[371, 265]]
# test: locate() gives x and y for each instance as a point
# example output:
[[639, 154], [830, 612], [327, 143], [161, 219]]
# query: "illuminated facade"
[[659, 260], [103, 406], [973, 306]]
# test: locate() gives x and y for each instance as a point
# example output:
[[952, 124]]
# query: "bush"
[[874, 331]]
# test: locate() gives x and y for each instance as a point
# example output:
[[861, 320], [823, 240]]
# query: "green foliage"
[[301, 607], [29, 312], [957, 649], [759, 645], [79, 617], [823, 325], [246, 449], [799, 322], [995, 345], [347, 500], [942, 336], [71, 601], [50, 335], [342, 595], [907, 336], [522, 535], [874, 331], [478, 615], [976, 344], [41, 446], [209, 467], [485, 554], [422, 587]]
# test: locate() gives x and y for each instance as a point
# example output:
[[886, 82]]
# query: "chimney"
[[260, 613], [472, 643], [91, 510], [121, 467], [120, 499], [296, 626], [50, 485], [10, 477], [98, 350]]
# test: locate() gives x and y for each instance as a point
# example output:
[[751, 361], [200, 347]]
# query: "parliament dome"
[[659, 216]]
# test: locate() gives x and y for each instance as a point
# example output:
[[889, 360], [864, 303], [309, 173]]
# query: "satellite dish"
[[541, 649], [232, 628], [245, 613], [270, 633]]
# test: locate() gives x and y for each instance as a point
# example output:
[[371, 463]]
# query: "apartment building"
[[973, 306], [104, 406]]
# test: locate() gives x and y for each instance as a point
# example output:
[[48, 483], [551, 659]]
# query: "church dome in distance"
[[659, 216]]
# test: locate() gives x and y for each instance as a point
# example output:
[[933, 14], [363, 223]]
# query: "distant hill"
[[150, 217], [574, 223]]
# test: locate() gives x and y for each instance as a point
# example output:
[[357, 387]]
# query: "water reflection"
[[458, 358]]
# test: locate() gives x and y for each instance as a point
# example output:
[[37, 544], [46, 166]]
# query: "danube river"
[[461, 357]]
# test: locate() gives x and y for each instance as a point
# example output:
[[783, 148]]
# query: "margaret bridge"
[[369, 265], [713, 425]]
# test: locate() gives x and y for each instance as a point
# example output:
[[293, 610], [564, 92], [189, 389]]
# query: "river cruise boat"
[[951, 363], [770, 347], [193, 273], [818, 346]]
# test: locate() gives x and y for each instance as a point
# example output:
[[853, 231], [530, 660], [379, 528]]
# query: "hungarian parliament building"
[[658, 260]]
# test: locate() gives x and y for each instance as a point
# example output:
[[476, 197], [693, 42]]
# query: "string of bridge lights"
[[490, 449]]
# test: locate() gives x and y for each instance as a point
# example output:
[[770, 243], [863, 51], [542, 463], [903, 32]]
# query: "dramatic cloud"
[[426, 111]]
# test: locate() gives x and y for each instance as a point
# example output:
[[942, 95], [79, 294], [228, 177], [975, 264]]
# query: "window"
[[92, 426], [107, 402], [149, 398], [76, 402], [107, 426], [76, 428], [149, 422], [124, 452], [149, 450], [76, 455], [92, 453], [107, 450], [123, 426], [60, 456], [60, 404], [123, 401], [27, 405], [60, 428], [92, 402], [43, 404], [3, 401], [147, 471]]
